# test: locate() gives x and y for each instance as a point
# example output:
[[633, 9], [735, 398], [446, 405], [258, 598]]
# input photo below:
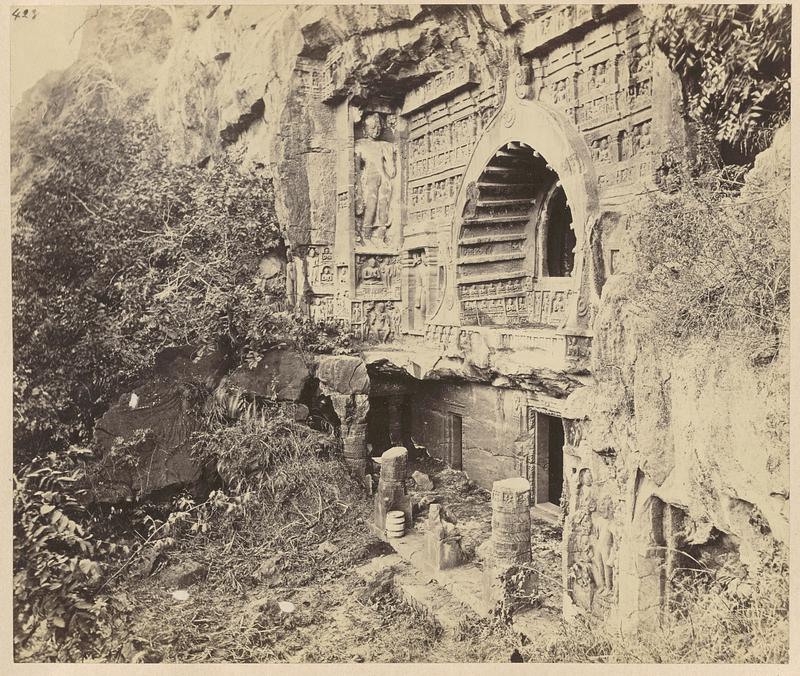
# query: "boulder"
[[143, 443], [280, 374], [183, 574], [187, 364]]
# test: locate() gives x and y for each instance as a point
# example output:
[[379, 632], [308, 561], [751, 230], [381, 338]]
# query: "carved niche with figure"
[[319, 261], [592, 547], [381, 321], [376, 168], [376, 276], [418, 291]]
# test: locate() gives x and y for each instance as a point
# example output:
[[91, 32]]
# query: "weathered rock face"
[[669, 453], [144, 440]]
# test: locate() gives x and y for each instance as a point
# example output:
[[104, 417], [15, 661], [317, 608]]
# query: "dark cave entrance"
[[389, 416]]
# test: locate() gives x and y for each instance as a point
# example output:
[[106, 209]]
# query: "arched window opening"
[[560, 237]]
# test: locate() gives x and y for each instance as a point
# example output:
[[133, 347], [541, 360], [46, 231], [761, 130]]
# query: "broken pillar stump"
[[354, 430], [511, 521], [442, 540], [391, 493], [507, 577]]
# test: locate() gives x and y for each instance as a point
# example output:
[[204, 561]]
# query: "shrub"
[[716, 618], [58, 564], [298, 491], [713, 265], [118, 253]]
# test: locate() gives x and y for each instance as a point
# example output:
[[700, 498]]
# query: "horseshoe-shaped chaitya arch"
[[521, 222]]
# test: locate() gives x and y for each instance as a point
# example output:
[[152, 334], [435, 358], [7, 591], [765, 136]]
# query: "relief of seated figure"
[[371, 272]]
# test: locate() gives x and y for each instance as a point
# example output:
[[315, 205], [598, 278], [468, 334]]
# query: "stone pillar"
[[391, 493], [346, 381], [354, 448], [395, 406], [506, 582], [511, 522]]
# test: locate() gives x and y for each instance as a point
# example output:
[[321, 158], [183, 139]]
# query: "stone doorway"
[[548, 466], [455, 440]]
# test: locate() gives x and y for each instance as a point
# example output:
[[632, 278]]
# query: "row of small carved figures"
[[627, 144], [554, 305], [597, 75]]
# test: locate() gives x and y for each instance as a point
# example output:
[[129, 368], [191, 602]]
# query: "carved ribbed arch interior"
[[516, 227]]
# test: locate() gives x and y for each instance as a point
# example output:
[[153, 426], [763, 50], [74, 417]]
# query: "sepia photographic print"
[[399, 333]]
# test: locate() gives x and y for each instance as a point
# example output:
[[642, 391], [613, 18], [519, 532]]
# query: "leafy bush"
[[245, 436], [298, 491], [117, 253], [103, 239], [734, 63], [58, 564]]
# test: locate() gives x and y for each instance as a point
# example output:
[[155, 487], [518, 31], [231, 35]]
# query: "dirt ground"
[[237, 612], [337, 617]]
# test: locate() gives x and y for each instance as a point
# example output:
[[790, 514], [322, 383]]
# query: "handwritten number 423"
[[24, 13]]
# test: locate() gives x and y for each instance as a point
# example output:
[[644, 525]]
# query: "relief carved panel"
[[376, 321], [441, 141], [377, 276], [319, 261]]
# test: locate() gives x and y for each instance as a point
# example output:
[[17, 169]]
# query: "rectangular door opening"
[[549, 468], [455, 441]]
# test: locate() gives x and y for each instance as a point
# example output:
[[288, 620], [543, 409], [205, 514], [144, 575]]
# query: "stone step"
[[506, 202], [521, 163], [547, 512], [493, 169], [503, 184], [419, 591], [464, 585], [516, 153], [492, 258], [491, 277]]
